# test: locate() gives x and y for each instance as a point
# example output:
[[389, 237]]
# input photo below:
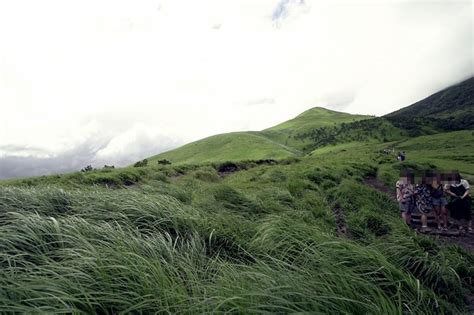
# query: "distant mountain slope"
[[449, 109], [367, 130], [316, 117], [290, 132], [277, 142]]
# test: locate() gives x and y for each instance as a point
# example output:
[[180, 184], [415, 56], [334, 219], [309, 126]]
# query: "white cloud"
[[180, 70], [135, 143]]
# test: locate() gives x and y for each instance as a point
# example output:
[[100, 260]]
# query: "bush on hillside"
[[164, 162], [141, 163], [88, 168], [227, 167]]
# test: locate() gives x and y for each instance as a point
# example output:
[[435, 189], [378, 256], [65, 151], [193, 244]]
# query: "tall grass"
[[72, 265], [185, 240]]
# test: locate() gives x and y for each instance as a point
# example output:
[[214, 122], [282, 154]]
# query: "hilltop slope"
[[449, 109], [316, 117], [274, 143], [228, 147]]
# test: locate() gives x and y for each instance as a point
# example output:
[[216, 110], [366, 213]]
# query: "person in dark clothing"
[[439, 201], [460, 204]]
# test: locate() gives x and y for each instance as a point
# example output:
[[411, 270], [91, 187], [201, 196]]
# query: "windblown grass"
[[183, 239]]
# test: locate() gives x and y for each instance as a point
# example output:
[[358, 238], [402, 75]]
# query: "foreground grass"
[[113, 253]]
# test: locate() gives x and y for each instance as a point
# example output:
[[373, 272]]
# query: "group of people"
[[444, 194]]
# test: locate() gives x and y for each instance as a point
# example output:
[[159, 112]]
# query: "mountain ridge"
[[319, 126], [450, 109], [274, 142]]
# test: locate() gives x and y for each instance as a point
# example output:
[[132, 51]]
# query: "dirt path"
[[380, 186], [341, 226]]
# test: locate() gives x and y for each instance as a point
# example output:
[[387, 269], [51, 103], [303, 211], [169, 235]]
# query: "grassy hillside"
[[367, 130], [228, 147], [226, 229], [449, 109], [316, 117], [451, 150], [278, 142], [265, 239], [313, 119]]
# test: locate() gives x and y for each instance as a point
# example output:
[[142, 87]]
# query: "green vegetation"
[[279, 142], [448, 110], [168, 241], [316, 117], [232, 146], [237, 223]]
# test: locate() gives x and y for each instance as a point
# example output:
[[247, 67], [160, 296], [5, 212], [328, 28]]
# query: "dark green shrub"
[[141, 163], [227, 167], [129, 176], [88, 168], [164, 162]]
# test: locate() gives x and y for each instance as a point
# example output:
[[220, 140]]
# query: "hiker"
[[423, 201], [439, 201], [401, 156], [460, 203], [405, 192]]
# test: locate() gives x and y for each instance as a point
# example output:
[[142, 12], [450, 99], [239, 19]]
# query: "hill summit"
[[276, 142], [448, 110]]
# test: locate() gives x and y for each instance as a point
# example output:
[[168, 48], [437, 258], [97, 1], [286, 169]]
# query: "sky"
[[115, 81]]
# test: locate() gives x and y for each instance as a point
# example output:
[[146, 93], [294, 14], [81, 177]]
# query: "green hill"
[[228, 147], [316, 117], [278, 142], [447, 110], [292, 132]]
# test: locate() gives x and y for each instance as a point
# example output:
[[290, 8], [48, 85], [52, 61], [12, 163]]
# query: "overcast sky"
[[115, 81]]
